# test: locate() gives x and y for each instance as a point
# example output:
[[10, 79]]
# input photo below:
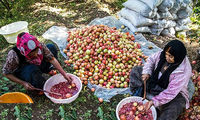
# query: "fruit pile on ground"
[[193, 113], [103, 55]]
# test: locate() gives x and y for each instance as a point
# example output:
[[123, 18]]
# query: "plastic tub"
[[56, 79], [15, 97], [134, 99], [11, 31]]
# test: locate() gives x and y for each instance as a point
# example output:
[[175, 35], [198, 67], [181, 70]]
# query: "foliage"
[[5, 82], [195, 26], [17, 112], [196, 16], [23, 112], [100, 113], [4, 113], [47, 115], [118, 3], [62, 112], [15, 14]]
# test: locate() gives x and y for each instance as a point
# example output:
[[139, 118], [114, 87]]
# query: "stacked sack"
[[165, 17]]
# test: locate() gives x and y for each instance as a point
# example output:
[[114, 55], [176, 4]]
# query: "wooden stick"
[[144, 97], [48, 91]]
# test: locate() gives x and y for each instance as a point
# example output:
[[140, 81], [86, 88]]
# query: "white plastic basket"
[[11, 31], [56, 79], [134, 99]]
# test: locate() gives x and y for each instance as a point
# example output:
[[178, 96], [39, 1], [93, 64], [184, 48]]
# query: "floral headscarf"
[[27, 43]]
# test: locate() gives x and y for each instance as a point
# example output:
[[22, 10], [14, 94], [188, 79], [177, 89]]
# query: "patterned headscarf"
[[27, 43]]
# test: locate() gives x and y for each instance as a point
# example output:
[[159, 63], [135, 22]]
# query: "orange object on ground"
[[15, 97]]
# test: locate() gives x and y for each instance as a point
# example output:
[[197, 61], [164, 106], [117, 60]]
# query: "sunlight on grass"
[[41, 39], [111, 1], [68, 13], [63, 12], [103, 7], [81, 19], [6, 49], [43, 6], [194, 26], [50, 23]]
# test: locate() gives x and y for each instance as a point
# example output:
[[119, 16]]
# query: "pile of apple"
[[193, 113], [135, 111], [103, 55], [66, 90]]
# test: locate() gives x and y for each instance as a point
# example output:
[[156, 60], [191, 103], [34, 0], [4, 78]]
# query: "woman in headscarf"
[[27, 61], [167, 74]]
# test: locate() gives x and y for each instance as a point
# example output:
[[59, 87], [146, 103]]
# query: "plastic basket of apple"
[[58, 84], [131, 108]]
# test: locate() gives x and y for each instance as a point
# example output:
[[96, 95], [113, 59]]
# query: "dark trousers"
[[173, 109], [169, 111], [33, 73]]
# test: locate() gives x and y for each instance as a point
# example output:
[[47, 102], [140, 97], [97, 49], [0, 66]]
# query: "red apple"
[[194, 62], [68, 95], [122, 117], [92, 89], [100, 100]]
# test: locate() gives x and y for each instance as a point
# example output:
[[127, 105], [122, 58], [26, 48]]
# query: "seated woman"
[[27, 61], [167, 74]]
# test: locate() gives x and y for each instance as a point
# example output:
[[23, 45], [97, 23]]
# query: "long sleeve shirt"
[[178, 80], [12, 60]]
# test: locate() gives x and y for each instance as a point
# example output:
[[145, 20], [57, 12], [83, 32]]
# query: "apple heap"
[[193, 113], [103, 55], [134, 111], [66, 90]]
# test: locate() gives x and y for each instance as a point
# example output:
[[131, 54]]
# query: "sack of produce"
[[135, 18], [139, 7]]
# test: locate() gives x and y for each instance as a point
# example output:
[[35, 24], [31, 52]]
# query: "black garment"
[[33, 73], [178, 50], [136, 83], [169, 111], [20, 56], [166, 64], [173, 109]]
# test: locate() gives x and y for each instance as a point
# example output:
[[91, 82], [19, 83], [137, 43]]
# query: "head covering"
[[178, 50], [27, 43]]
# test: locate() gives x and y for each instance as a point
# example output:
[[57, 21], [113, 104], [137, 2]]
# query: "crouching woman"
[[167, 74], [27, 61]]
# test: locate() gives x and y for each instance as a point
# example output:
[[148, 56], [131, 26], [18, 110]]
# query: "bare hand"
[[148, 105], [28, 86], [145, 77], [67, 77]]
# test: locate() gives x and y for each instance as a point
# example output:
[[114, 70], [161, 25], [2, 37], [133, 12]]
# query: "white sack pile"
[[165, 17]]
